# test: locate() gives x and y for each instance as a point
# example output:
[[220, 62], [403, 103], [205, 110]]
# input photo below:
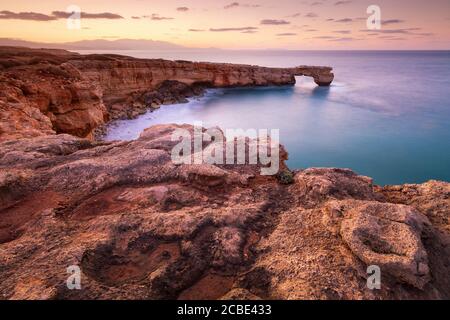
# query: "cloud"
[[85, 15], [311, 15], [394, 31], [157, 17], [392, 38], [342, 31], [345, 20], [345, 39], [232, 5], [391, 21], [245, 5], [233, 29], [182, 9], [55, 15], [34, 16], [340, 3], [274, 22], [286, 34], [196, 30], [404, 31], [295, 15], [135, 17], [324, 37]]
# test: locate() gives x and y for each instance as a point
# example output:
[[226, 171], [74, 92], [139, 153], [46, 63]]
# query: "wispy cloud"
[[344, 20], [182, 9], [86, 15], [340, 3], [233, 29], [237, 4], [274, 22], [344, 39], [157, 17], [295, 15], [342, 31], [34, 16], [404, 31], [311, 15], [324, 37], [285, 34], [232, 5], [391, 21], [55, 15], [394, 31]]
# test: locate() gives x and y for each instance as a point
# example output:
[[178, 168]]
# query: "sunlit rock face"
[[55, 91], [141, 227]]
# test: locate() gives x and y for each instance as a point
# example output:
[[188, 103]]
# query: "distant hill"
[[98, 44]]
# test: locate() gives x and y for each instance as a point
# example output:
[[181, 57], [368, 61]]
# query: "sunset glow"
[[252, 24]]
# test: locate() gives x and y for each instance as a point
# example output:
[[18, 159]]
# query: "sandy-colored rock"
[[388, 236], [141, 227]]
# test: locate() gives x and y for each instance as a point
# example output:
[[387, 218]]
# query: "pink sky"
[[288, 24]]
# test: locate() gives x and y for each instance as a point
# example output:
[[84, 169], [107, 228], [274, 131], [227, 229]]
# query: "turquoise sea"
[[387, 114]]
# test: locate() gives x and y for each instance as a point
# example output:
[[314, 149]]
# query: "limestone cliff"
[[56, 91]]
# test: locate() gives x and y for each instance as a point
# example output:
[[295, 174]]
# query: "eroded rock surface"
[[55, 91], [141, 227]]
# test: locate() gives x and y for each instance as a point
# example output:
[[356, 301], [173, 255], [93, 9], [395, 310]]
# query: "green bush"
[[285, 177]]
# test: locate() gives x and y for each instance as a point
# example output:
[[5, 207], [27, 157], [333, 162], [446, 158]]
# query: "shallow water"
[[387, 114]]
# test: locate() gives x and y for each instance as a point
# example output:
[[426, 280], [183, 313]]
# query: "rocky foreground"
[[55, 91], [140, 227]]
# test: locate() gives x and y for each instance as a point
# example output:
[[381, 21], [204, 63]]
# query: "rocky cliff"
[[140, 227], [55, 91]]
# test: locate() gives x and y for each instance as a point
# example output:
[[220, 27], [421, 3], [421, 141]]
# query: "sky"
[[246, 24]]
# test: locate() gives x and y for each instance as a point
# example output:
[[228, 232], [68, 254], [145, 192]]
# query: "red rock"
[[140, 227], [56, 91]]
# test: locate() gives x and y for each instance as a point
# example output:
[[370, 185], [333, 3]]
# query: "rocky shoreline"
[[140, 226], [55, 91]]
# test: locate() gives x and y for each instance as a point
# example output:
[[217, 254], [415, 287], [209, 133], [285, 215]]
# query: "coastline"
[[64, 92], [141, 227]]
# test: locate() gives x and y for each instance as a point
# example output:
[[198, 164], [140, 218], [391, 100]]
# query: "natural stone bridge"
[[321, 75]]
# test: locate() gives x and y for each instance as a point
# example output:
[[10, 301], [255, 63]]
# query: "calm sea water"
[[387, 115]]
